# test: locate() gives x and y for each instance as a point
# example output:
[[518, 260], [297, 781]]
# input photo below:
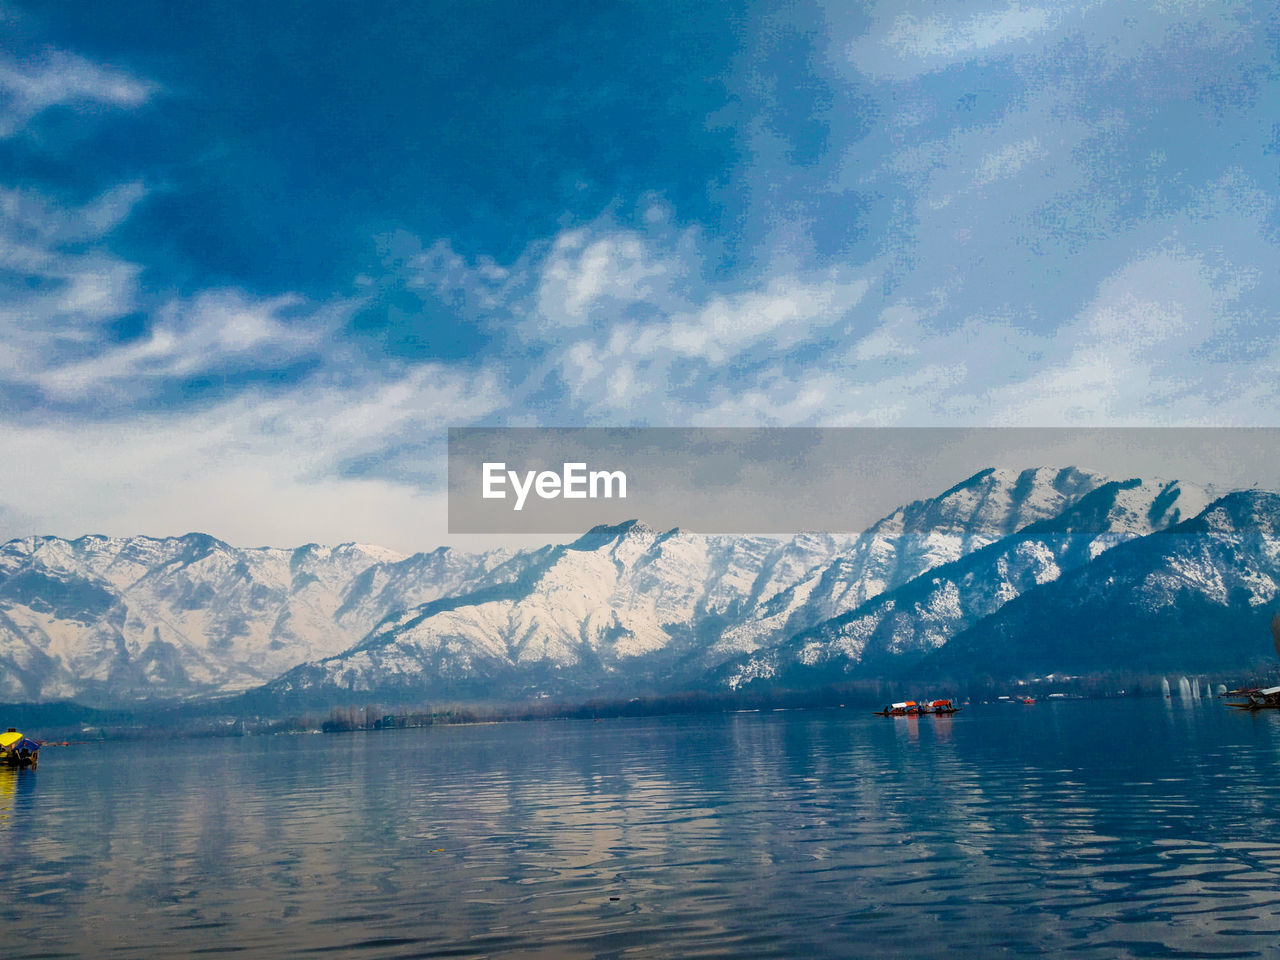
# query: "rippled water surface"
[[1120, 828]]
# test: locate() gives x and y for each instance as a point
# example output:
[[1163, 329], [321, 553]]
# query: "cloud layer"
[[936, 214]]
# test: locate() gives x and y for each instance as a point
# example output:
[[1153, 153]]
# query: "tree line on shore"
[[856, 694], [73, 721]]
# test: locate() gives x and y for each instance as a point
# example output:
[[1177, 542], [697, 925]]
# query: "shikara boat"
[[1254, 698], [907, 708], [17, 750], [923, 708]]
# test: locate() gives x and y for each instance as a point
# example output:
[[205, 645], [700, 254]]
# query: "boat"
[[1254, 698], [924, 708], [17, 750], [906, 708]]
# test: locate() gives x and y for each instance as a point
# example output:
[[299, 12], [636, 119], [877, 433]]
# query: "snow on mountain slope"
[[623, 605], [621, 611], [1196, 596], [904, 624], [111, 618], [628, 605], [917, 537]]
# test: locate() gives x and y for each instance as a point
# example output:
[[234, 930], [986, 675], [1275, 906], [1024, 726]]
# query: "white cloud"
[[1156, 342], [30, 214], [220, 330], [58, 288], [1007, 161], [589, 276], [642, 369], [55, 78], [257, 469], [839, 349], [337, 419], [64, 291], [1137, 354], [443, 271], [904, 44], [784, 312], [255, 464], [945, 37]]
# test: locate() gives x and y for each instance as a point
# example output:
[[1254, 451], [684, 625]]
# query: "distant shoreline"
[[75, 722]]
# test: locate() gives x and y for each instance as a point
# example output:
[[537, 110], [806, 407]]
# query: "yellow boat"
[[17, 750]]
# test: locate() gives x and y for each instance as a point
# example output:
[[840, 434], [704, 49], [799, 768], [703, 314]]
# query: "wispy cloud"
[[305, 427], [1008, 161], [59, 289], [623, 322], [55, 78], [589, 275], [64, 294], [216, 332], [623, 325], [902, 44], [908, 42]]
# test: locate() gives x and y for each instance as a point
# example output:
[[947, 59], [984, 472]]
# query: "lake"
[[1144, 828]]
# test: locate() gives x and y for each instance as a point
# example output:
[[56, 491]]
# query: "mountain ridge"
[[949, 585]]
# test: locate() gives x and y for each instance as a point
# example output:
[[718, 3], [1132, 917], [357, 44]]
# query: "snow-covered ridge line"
[[623, 608]]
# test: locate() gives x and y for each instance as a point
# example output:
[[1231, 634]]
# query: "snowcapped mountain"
[[622, 607], [900, 626], [628, 609], [110, 619], [1196, 596], [920, 536], [1007, 570]]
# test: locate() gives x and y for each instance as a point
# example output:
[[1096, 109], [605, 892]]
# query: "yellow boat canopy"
[[10, 739]]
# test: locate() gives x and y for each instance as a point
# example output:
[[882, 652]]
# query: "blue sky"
[[257, 257]]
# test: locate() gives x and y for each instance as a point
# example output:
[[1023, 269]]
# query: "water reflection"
[[1133, 827], [16, 788]]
